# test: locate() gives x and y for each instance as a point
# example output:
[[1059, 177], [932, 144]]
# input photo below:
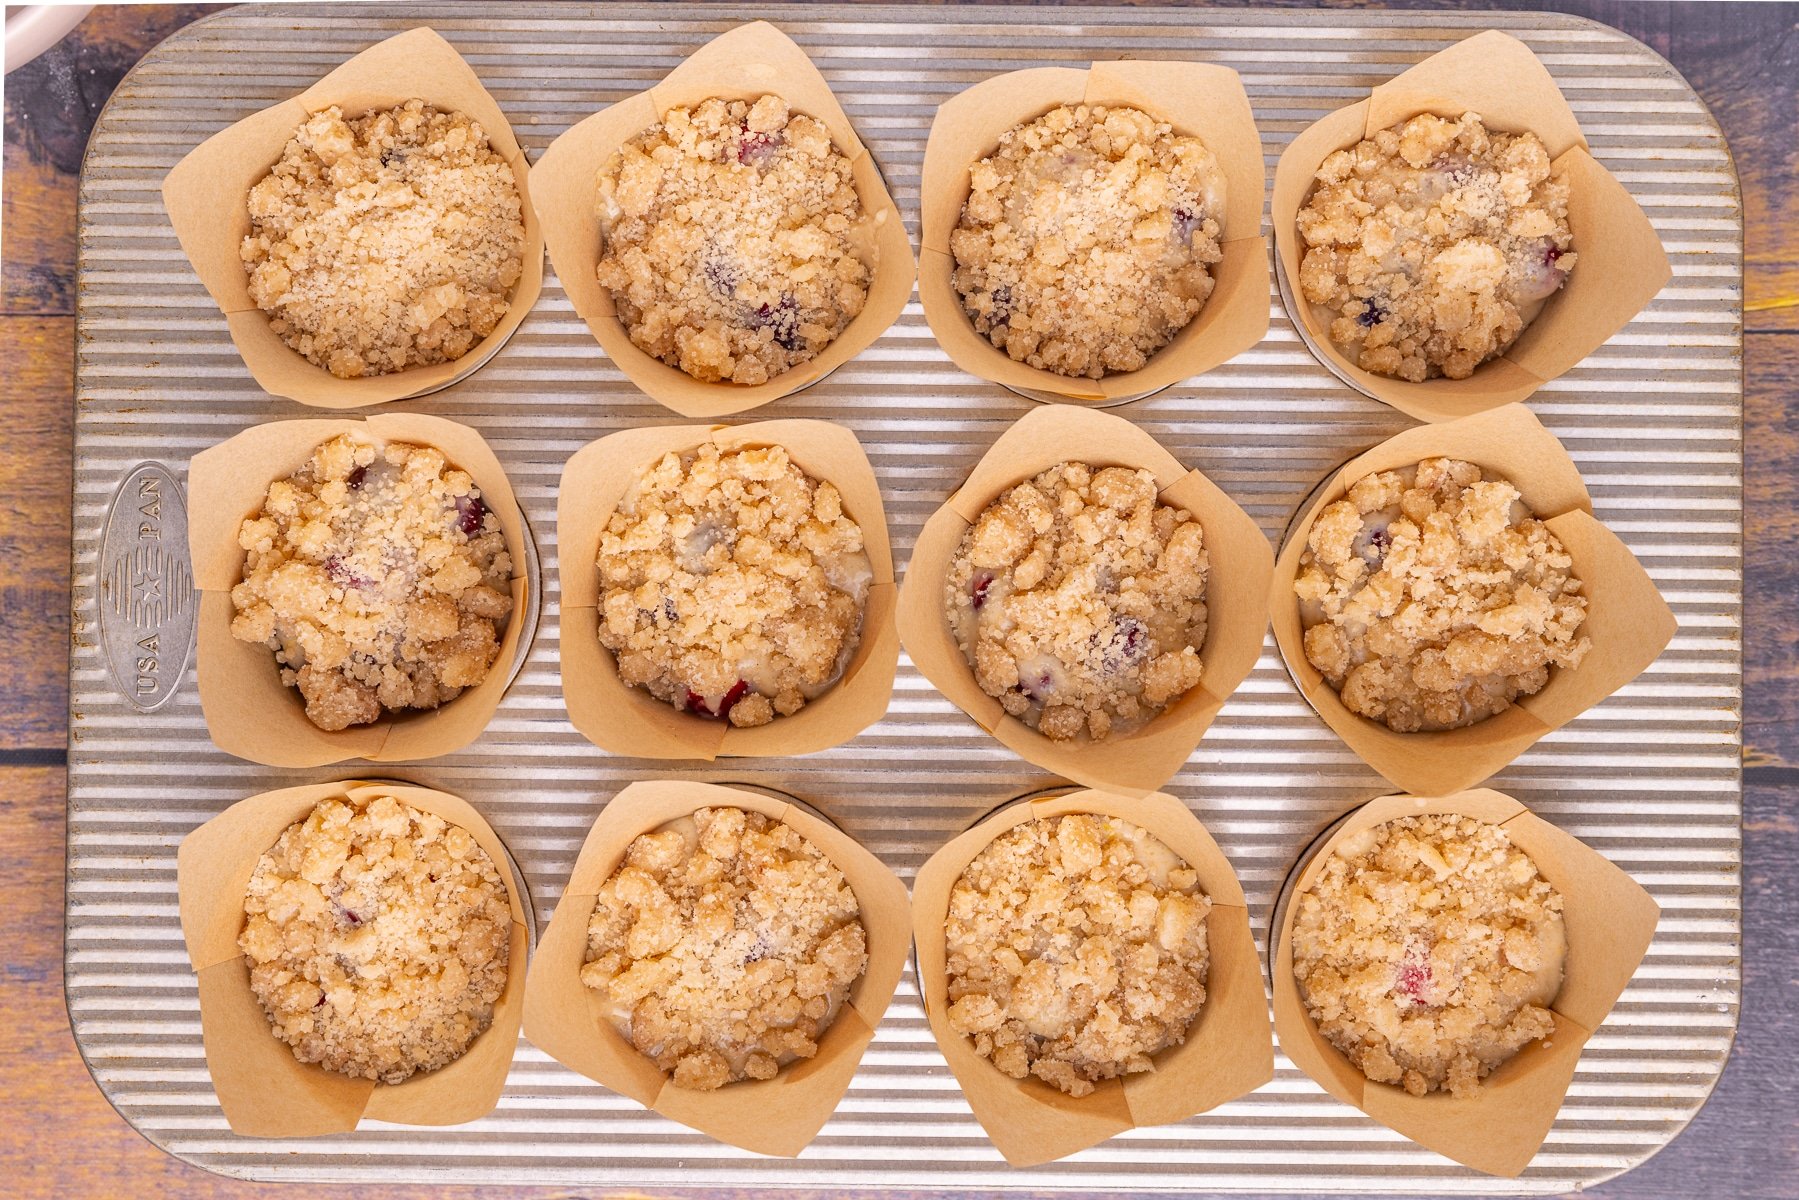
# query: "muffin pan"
[[1650, 777]]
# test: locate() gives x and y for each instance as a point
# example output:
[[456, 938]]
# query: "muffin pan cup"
[[205, 197], [1609, 921], [249, 711], [1200, 99], [748, 62], [1622, 263], [779, 1116], [263, 1089], [1227, 1052], [1627, 620], [1141, 761], [623, 719]]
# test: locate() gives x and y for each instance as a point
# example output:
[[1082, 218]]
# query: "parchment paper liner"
[[1609, 921], [1227, 1053], [1627, 619], [206, 196], [1622, 264], [745, 63], [264, 1090], [628, 720], [779, 1116], [1201, 99], [1236, 598], [249, 711]]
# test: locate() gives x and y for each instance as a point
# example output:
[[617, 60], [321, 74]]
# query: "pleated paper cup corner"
[[249, 712], [780, 1116], [1609, 920], [206, 197], [1228, 1051], [1203, 100], [1628, 621], [622, 719], [1143, 760], [263, 1089], [1622, 266], [744, 63]]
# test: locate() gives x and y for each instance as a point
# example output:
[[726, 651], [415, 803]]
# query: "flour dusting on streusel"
[[1087, 237], [724, 946], [385, 241], [1077, 950], [1431, 245], [735, 244], [1079, 600], [377, 938], [1432, 598]]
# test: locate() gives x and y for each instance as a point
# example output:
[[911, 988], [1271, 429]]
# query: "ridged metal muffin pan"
[[1650, 777]]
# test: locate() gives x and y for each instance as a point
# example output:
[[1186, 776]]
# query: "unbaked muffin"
[[1087, 237], [732, 584], [734, 243], [377, 938], [385, 241], [1432, 598], [378, 576], [1428, 950], [1077, 950], [1431, 245], [1079, 601], [724, 947]]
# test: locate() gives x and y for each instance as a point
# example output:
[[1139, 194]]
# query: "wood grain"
[[61, 1139]]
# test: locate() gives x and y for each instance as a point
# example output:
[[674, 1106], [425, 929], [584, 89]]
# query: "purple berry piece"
[[1185, 222], [1373, 314], [469, 513], [721, 276], [342, 575], [354, 479], [784, 318], [1002, 305], [757, 149], [1122, 644]]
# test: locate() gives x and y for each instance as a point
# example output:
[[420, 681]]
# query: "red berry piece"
[[354, 479], [1185, 222], [469, 514], [343, 575], [696, 704], [757, 149], [738, 691], [1414, 977], [977, 594]]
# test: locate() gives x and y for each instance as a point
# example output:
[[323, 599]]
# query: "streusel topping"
[[378, 577], [1079, 600], [732, 584], [724, 946], [735, 244], [377, 938], [1085, 242], [1431, 245], [1427, 950], [1076, 950], [387, 241], [1432, 598]]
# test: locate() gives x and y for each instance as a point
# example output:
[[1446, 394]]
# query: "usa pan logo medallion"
[[147, 606]]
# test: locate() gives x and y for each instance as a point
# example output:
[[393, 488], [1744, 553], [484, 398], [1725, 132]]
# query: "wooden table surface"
[[61, 1139]]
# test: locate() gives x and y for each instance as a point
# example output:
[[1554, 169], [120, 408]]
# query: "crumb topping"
[[1085, 242], [736, 247], [732, 584], [724, 946], [1431, 245], [379, 578], [1076, 950], [1427, 950], [388, 241], [1079, 601], [1432, 598], [377, 938]]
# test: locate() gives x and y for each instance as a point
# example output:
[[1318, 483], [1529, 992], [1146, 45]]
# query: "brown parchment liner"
[[779, 1116], [745, 63], [1143, 760], [628, 720], [264, 1090], [1227, 1054], [1609, 921], [206, 196], [249, 711], [1199, 99], [1622, 264], [1627, 619]]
